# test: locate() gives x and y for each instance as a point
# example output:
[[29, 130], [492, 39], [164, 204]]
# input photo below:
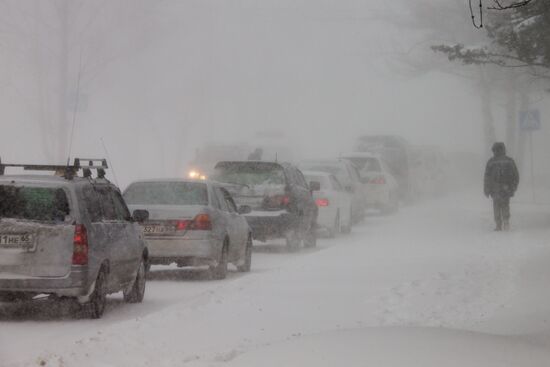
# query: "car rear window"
[[167, 193], [250, 174], [33, 203]]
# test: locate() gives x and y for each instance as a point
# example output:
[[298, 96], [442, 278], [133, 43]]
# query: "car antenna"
[[75, 108], [109, 158]]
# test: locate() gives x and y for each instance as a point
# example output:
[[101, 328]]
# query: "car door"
[[344, 199], [309, 209], [335, 194], [132, 249], [98, 239], [224, 217], [115, 239], [236, 226], [360, 193]]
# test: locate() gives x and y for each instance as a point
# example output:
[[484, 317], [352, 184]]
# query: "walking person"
[[501, 183]]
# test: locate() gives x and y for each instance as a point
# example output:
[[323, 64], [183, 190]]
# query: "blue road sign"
[[529, 120]]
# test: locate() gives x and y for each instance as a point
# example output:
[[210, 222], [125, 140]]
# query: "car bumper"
[[377, 197], [326, 218], [167, 250], [74, 284], [271, 225]]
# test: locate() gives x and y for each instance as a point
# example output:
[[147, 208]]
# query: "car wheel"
[[98, 299], [136, 293], [220, 270], [292, 240], [245, 268]]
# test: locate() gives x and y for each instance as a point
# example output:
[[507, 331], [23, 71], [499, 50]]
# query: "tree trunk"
[[487, 113], [511, 117]]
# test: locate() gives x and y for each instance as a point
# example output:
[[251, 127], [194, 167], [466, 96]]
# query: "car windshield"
[[167, 193], [250, 174], [33, 203]]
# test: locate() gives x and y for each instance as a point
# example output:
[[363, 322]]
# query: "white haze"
[[186, 72]]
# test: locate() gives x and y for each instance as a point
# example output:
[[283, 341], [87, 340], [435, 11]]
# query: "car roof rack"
[[67, 171]]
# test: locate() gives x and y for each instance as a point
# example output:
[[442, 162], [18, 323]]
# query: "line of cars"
[[78, 237]]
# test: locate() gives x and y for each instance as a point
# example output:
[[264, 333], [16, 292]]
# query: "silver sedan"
[[192, 223]]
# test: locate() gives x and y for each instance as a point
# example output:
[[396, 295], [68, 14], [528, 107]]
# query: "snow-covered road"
[[432, 285]]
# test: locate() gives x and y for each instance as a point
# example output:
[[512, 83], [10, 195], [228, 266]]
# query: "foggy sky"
[[223, 70]]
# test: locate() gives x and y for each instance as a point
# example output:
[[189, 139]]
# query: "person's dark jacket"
[[501, 174]]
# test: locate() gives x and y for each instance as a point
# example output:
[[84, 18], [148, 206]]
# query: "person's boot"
[[506, 225]]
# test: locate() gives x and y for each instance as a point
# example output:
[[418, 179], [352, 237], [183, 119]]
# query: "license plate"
[[23, 240], [152, 229]]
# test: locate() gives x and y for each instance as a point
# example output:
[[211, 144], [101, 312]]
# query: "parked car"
[[347, 175], [279, 196], [397, 153], [333, 201], [192, 223], [382, 188], [68, 236]]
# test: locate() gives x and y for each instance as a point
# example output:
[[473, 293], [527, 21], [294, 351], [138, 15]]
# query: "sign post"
[[529, 121]]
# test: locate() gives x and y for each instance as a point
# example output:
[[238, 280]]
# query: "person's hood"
[[499, 149]]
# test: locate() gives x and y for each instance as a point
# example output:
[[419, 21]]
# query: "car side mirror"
[[315, 186], [140, 215], [244, 209]]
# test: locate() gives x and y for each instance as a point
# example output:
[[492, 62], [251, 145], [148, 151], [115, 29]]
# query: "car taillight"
[[80, 245], [285, 200], [181, 225], [322, 202], [378, 181], [201, 222]]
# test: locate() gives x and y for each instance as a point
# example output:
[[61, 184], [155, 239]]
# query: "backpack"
[[503, 172]]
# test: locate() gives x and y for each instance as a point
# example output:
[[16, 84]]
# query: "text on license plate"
[[23, 240], [157, 229]]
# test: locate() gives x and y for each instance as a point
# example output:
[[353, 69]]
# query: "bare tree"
[[59, 47]]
